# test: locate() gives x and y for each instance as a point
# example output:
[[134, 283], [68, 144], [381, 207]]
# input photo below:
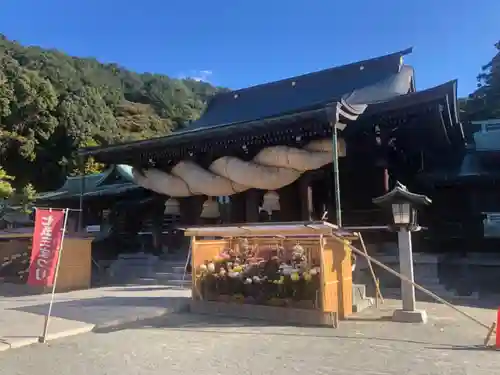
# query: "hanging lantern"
[[172, 207], [271, 202], [210, 209]]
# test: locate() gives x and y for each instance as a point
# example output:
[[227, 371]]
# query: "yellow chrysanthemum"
[[238, 269]]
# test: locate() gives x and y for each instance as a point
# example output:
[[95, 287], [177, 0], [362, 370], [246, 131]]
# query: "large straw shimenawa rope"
[[273, 167]]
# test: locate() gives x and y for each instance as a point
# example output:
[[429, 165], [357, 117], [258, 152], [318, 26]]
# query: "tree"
[[484, 103], [6, 188], [25, 198], [52, 103]]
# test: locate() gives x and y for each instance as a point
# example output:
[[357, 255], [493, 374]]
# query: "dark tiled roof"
[[381, 83], [297, 93], [128, 152]]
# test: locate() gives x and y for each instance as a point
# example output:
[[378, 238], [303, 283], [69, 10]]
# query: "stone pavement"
[[22, 317], [187, 344]]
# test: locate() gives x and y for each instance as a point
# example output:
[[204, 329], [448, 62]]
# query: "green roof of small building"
[[109, 182]]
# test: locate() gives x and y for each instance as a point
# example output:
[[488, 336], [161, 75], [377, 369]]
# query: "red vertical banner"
[[47, 240]]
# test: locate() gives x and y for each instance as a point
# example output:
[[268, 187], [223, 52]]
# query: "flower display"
[[271, 275]]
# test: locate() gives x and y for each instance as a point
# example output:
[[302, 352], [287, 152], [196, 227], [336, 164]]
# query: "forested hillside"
[[484, 103], [52, 103]]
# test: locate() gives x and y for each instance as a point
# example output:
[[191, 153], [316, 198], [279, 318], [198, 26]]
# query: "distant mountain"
[[52, 103]]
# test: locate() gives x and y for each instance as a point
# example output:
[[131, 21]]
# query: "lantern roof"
[[400, 193]]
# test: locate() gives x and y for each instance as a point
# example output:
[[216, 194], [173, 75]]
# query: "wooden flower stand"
[[316, 291]]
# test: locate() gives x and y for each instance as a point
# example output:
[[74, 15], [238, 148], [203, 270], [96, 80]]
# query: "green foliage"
[[90, 167], [26, 198], [51, 104], [6, 188], [484, 103]]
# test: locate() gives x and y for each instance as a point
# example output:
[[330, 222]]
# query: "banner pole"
[[43, 337]]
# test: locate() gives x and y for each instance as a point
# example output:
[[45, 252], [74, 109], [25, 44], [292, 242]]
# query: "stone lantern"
[[403, 205]]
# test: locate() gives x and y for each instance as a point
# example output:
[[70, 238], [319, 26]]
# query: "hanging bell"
[[271, 202], [210, 209], [172, 207]]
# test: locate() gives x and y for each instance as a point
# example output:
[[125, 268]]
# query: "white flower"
[[286, 269], [211, 267], [248, 280], [314, 271], [233, 274], [256, 279]]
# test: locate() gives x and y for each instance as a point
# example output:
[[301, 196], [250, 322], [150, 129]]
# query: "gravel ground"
[[189, 344]]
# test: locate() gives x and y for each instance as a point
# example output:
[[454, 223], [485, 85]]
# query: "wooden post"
[[237, 208], [305, 197], [252, 206], [378, 293], [81, 161]]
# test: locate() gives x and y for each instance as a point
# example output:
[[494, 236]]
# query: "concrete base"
[[280, 315], [417, 316]]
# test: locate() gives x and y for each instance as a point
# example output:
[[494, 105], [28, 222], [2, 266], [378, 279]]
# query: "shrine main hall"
[[267, 152]]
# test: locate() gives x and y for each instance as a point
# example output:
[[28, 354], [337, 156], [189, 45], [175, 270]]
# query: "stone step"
[[170, 268], [154, 281], [169, 276], [362, 305], [358, 292], [359, 299], [440, 291]]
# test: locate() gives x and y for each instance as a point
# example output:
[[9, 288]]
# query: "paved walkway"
[[189, 344], [22, 318]]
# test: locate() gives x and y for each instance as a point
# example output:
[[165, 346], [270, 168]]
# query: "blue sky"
[[241, 43]]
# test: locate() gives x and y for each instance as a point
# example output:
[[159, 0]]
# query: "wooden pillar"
[[319, 197], [237, 208], [289, 203], [191, 208], [157, 215], [386, 180], [252, 203], [305, 197]]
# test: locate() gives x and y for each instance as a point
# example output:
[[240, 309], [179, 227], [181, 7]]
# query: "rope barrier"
[[419, 287]]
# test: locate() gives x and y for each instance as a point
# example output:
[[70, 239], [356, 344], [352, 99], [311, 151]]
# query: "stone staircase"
[[168, 273], [360, 301], [147, 269], [426, 274]]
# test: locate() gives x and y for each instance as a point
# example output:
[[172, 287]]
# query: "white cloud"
[[198, 75]]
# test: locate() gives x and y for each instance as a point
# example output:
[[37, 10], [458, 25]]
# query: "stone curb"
[[4, 346], [52, 336]]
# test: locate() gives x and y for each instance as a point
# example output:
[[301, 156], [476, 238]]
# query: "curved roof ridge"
[[401, 53], [295, 93]]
